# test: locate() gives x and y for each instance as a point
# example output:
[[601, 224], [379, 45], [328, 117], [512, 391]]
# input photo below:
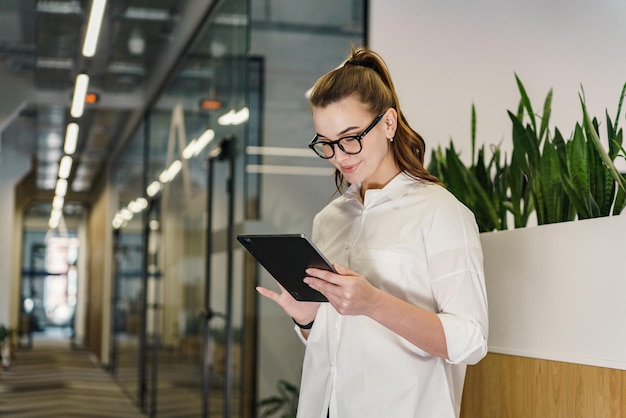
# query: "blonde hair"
[[366, 77]]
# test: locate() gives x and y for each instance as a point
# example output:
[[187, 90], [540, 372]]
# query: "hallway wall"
[[14, 164], [98, 279]]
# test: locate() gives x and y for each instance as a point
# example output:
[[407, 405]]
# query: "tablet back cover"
[[286, 257]]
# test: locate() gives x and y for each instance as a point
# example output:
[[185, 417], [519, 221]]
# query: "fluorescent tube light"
[[118, 221], [65, 167], [190, 149], [204, 140], [55, 218], [234, 118], [127, 215], [57, 202], [71, 138], [169, 173], [138, 205], [61, 188], [241, 116], [226, 118], [197, 145], [80, 91], [93, 27], [154, 188], [174, 170]]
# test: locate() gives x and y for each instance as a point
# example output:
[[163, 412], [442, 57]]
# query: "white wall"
[[13, 165], [445, 55]]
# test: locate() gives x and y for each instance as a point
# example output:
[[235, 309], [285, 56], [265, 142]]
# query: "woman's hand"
[[301, 312], [348, 292]]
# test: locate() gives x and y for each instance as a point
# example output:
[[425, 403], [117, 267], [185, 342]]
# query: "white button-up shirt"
[[416, 241]]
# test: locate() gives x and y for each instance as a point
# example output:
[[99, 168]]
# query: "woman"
[[408, 308]]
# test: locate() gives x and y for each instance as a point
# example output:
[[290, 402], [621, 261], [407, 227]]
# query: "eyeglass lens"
[[350, 145]]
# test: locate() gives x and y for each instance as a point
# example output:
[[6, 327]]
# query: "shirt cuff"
[[466, 339]]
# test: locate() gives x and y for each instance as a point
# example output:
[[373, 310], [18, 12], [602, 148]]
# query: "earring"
[[391, 139]]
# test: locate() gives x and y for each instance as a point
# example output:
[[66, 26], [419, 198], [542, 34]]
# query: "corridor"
[[54, 380]]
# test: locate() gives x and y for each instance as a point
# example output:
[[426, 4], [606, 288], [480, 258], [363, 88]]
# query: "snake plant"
[[559, 180]]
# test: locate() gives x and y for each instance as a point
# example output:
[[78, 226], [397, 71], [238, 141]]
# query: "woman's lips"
[[347, 169]]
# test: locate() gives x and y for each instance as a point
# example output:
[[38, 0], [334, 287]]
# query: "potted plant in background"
[[7, 337], [555, 179], [283, 405]]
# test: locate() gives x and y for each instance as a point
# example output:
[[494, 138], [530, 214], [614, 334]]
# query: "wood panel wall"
[[502, 386], [96, 267]]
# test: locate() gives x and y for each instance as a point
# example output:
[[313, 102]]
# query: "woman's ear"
[[391, 122]]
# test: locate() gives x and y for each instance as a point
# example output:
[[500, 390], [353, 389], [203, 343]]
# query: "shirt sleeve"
[[455, 263]]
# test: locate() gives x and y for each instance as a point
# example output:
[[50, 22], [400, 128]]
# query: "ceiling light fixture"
[[71, 138], [154, 188], [61, 188], [78, 99], [55, 218], [57, 202], [93, 27], [138, 205], [170, 173], [197, 145], [65, 167], [136, 42], [234, 118]]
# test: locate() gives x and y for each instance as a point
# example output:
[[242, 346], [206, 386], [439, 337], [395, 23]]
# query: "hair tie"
[[361, 64]]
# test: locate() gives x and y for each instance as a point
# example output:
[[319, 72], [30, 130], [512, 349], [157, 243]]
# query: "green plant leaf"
[[593, 136], [619, 107], [473, 137], [620, 202], [545, 117], [525, 149], [525, 103], [551, 188], [578, 173]]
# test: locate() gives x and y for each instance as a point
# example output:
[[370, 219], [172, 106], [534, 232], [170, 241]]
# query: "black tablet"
[[286, 257]]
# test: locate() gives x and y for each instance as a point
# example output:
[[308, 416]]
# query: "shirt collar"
[[395, 189]]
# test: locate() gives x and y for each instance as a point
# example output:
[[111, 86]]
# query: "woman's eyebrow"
[[340, 133]]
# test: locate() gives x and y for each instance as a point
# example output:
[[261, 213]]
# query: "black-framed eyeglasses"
[[349, 144]]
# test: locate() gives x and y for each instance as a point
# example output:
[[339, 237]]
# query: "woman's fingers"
[[292, 307], [270, 294], [349, 292]]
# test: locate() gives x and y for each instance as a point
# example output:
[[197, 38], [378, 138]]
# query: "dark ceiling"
[[40, 55]]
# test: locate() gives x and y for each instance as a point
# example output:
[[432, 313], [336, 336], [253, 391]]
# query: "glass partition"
[[224, 150], [128, 287], [178, 304]]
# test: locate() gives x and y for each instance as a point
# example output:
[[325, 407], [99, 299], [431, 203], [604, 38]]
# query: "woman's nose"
[[340, 155]]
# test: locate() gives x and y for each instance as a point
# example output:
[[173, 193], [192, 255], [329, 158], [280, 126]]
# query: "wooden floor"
[[54, 380]]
